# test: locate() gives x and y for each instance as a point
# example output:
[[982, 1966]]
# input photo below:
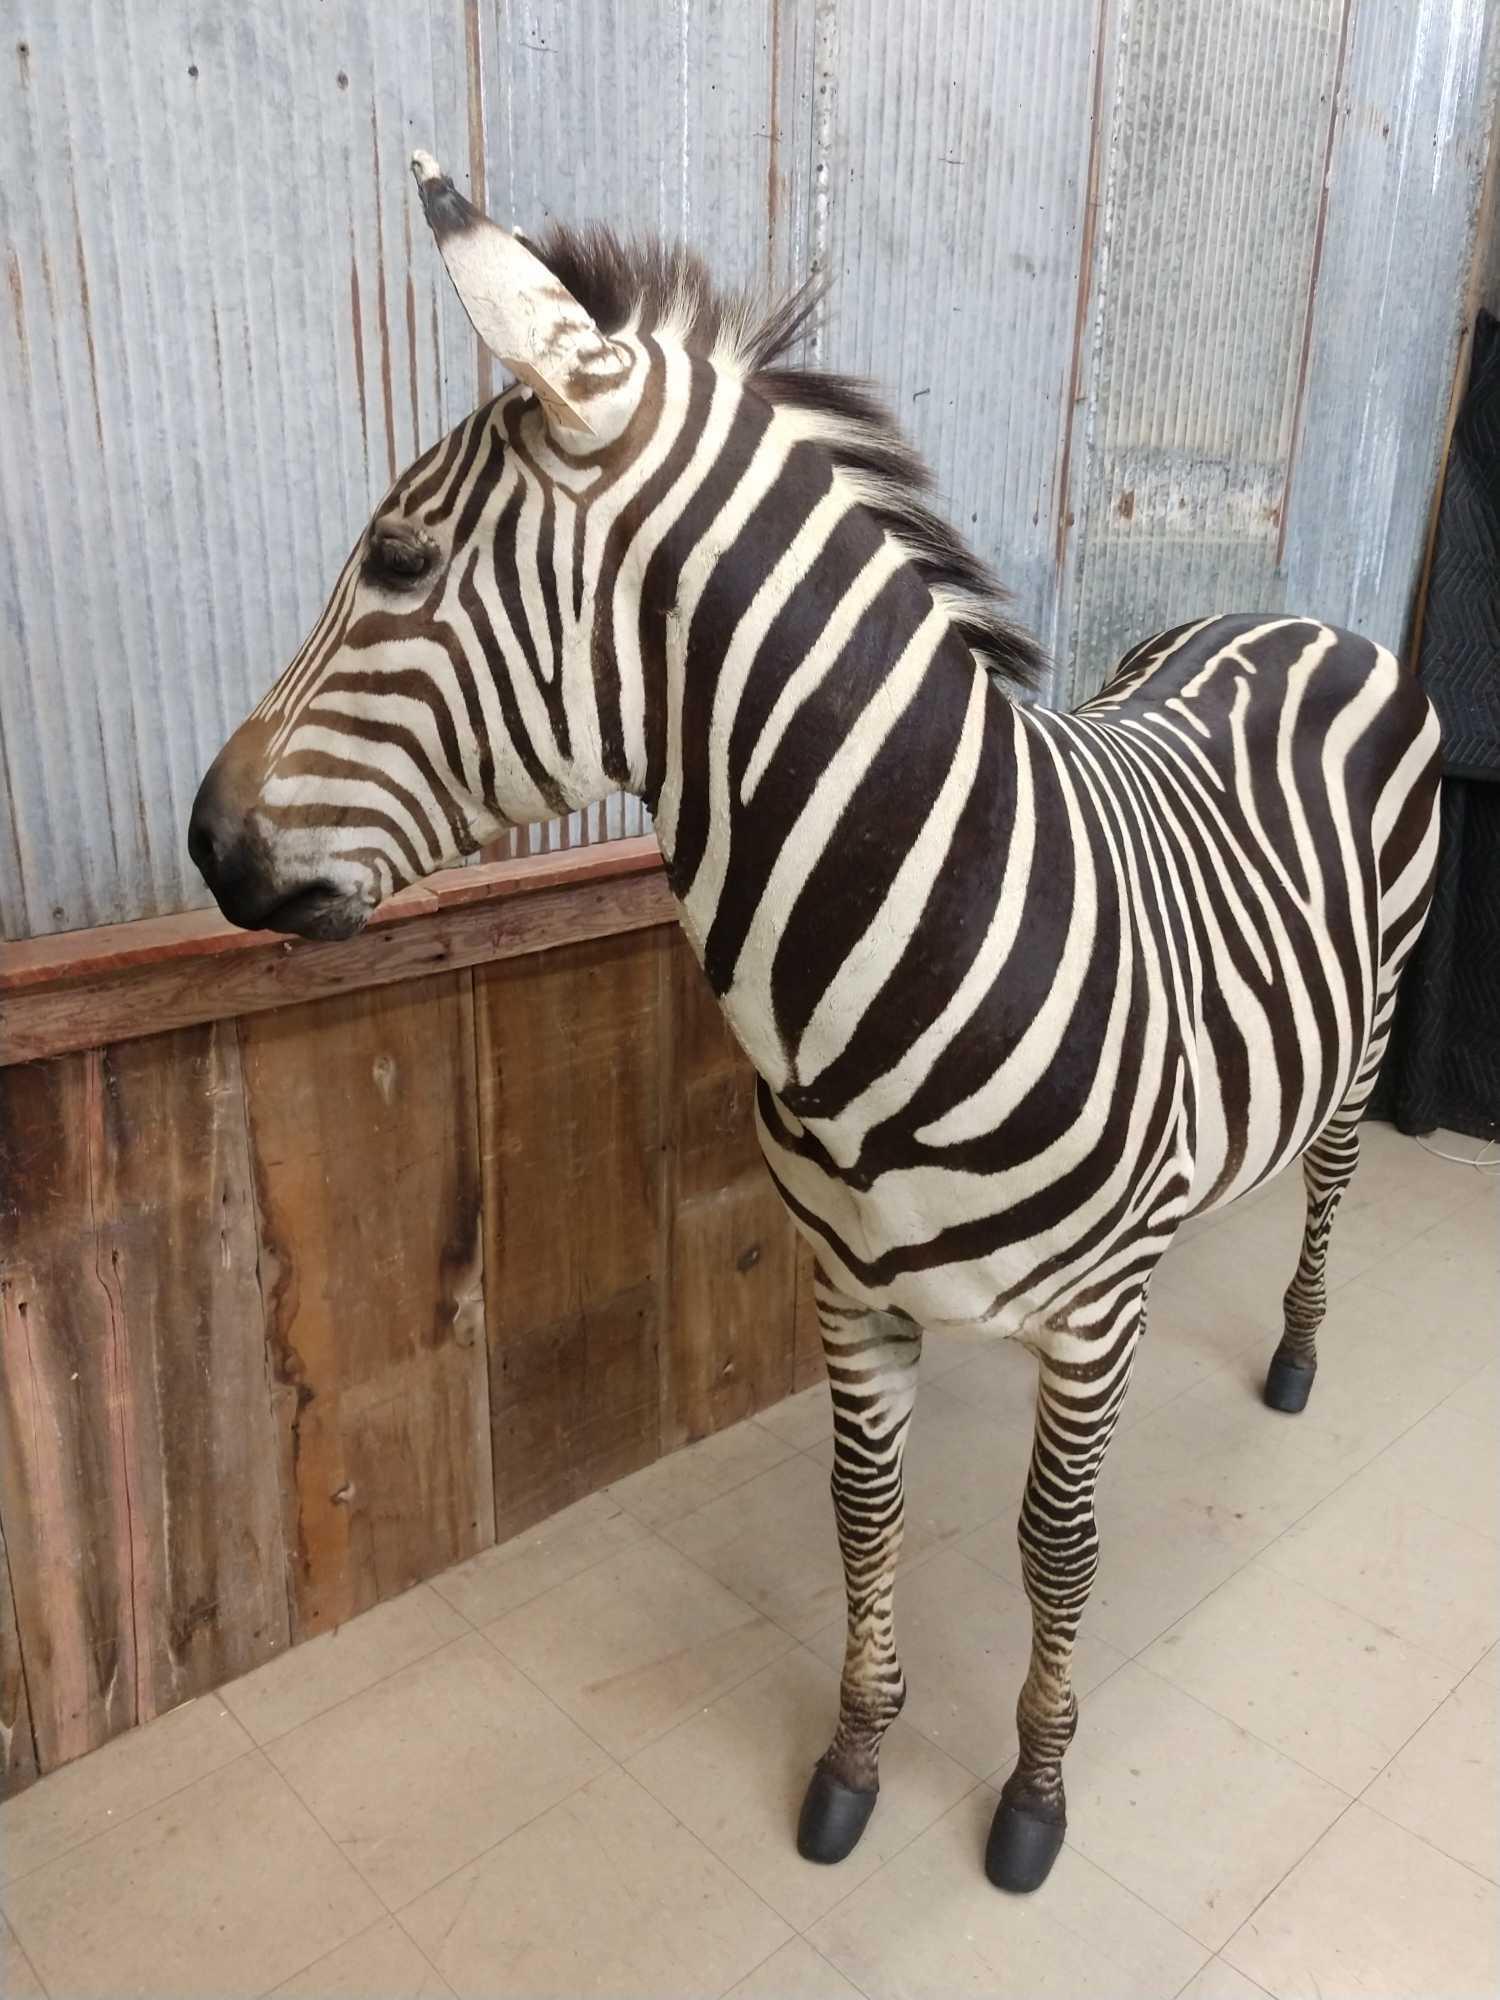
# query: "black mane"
[[658, 284]]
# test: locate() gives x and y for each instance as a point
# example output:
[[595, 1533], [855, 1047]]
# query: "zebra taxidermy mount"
[[1024, 990]]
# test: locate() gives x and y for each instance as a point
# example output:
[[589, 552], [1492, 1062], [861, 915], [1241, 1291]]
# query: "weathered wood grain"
[[18, 1765], [728, 1325], [64, 1413], [138, 1494], [87, 989], [570, 1109], [365, 1153], [173, 1190]]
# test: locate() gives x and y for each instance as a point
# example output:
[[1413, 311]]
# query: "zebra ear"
[[524, 316]]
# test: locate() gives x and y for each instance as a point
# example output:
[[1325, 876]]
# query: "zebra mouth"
[[318, 911]]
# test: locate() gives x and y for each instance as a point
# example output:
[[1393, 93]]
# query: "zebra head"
[[448, 689]]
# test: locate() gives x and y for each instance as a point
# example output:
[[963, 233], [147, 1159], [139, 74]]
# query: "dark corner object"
[[1443, 1067]]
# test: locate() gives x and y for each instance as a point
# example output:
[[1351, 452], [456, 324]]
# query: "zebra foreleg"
[[1327, 1169], [872, 1372], [1077, 1406]]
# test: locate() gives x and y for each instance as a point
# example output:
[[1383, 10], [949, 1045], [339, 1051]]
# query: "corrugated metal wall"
[[1170, 292]]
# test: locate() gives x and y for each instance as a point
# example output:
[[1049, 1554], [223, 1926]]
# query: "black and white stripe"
[[1024, 989]]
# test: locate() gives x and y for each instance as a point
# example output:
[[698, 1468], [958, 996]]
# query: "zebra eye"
[[399, 555]]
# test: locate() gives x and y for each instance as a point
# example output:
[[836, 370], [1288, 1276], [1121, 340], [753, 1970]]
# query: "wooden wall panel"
[[173, 1177], [365, 1154], [18, 1764], [299, 1309], [63, 1487], [138, 1490], [571, 1090], [728, 1329]]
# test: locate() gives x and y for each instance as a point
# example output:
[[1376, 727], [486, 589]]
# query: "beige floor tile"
[[1368, 1392], [1394, 1157], [1001, 1380], [1479, 1398], [1488, 1669], [942, 1352], [1219, 1981], [692, 1477], [636, 1644], [1224, 1292], [18, 1980], [225, 1888], [1322, 1684], [1447, 1279], [1374, 1219], [735, 1775], [773, 1543], [1155, 1566], [965, 1640], [1447, 1464], [1189, 1812], [802, 1420], [1251, 1255], [1136, 1597], [322, 1672], [796, 1972], [963, 1467], [1445, 1784], [498, 1579], [1184, 1483], [1220, 1455], [112, 1784], [418, 1774], [928, 1926], [1374, 1910], [381, 1964], [1430, 1581], [604, 1894], [1170, 1360]]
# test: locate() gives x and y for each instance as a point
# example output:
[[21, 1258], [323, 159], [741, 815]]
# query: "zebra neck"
[[824, 727]]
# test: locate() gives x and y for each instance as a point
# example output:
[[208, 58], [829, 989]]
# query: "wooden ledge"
[[83, 989]]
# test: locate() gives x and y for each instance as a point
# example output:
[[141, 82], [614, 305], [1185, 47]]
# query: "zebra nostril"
[[202, 845], [210, 843]]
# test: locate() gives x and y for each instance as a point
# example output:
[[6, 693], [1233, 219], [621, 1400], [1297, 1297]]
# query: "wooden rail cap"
[[82, 989]]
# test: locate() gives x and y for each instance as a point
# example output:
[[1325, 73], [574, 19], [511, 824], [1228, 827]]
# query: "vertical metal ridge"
[[1294, 439], [1193, 275]]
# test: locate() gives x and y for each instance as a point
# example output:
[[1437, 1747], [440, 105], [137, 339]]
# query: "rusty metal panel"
[[1287, 220], [1168, 291], [655, 116], [1217, 129], [218, 341], [1415, 118], [661, 118], [951, 215]]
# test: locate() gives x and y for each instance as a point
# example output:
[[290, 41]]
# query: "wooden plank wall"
[[301, 1307]]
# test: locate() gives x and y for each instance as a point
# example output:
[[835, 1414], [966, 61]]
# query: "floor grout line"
[[124, 1819]]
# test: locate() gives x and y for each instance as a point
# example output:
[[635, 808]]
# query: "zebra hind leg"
[[1076, 1411], [1327, 1168], [872, 1372]]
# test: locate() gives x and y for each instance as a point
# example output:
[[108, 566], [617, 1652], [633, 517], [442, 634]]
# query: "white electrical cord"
[[1477, 1160]]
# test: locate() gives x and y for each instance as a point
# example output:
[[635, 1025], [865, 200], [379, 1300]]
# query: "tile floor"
[[572, 1765]]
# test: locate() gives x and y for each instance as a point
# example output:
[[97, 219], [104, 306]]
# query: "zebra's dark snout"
[[207, 840], [221, 842], [218, 845], [249, 886]]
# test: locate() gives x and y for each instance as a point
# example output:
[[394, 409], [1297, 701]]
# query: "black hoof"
[[833, 1818], [1288, 1385], [1021, 1848]]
